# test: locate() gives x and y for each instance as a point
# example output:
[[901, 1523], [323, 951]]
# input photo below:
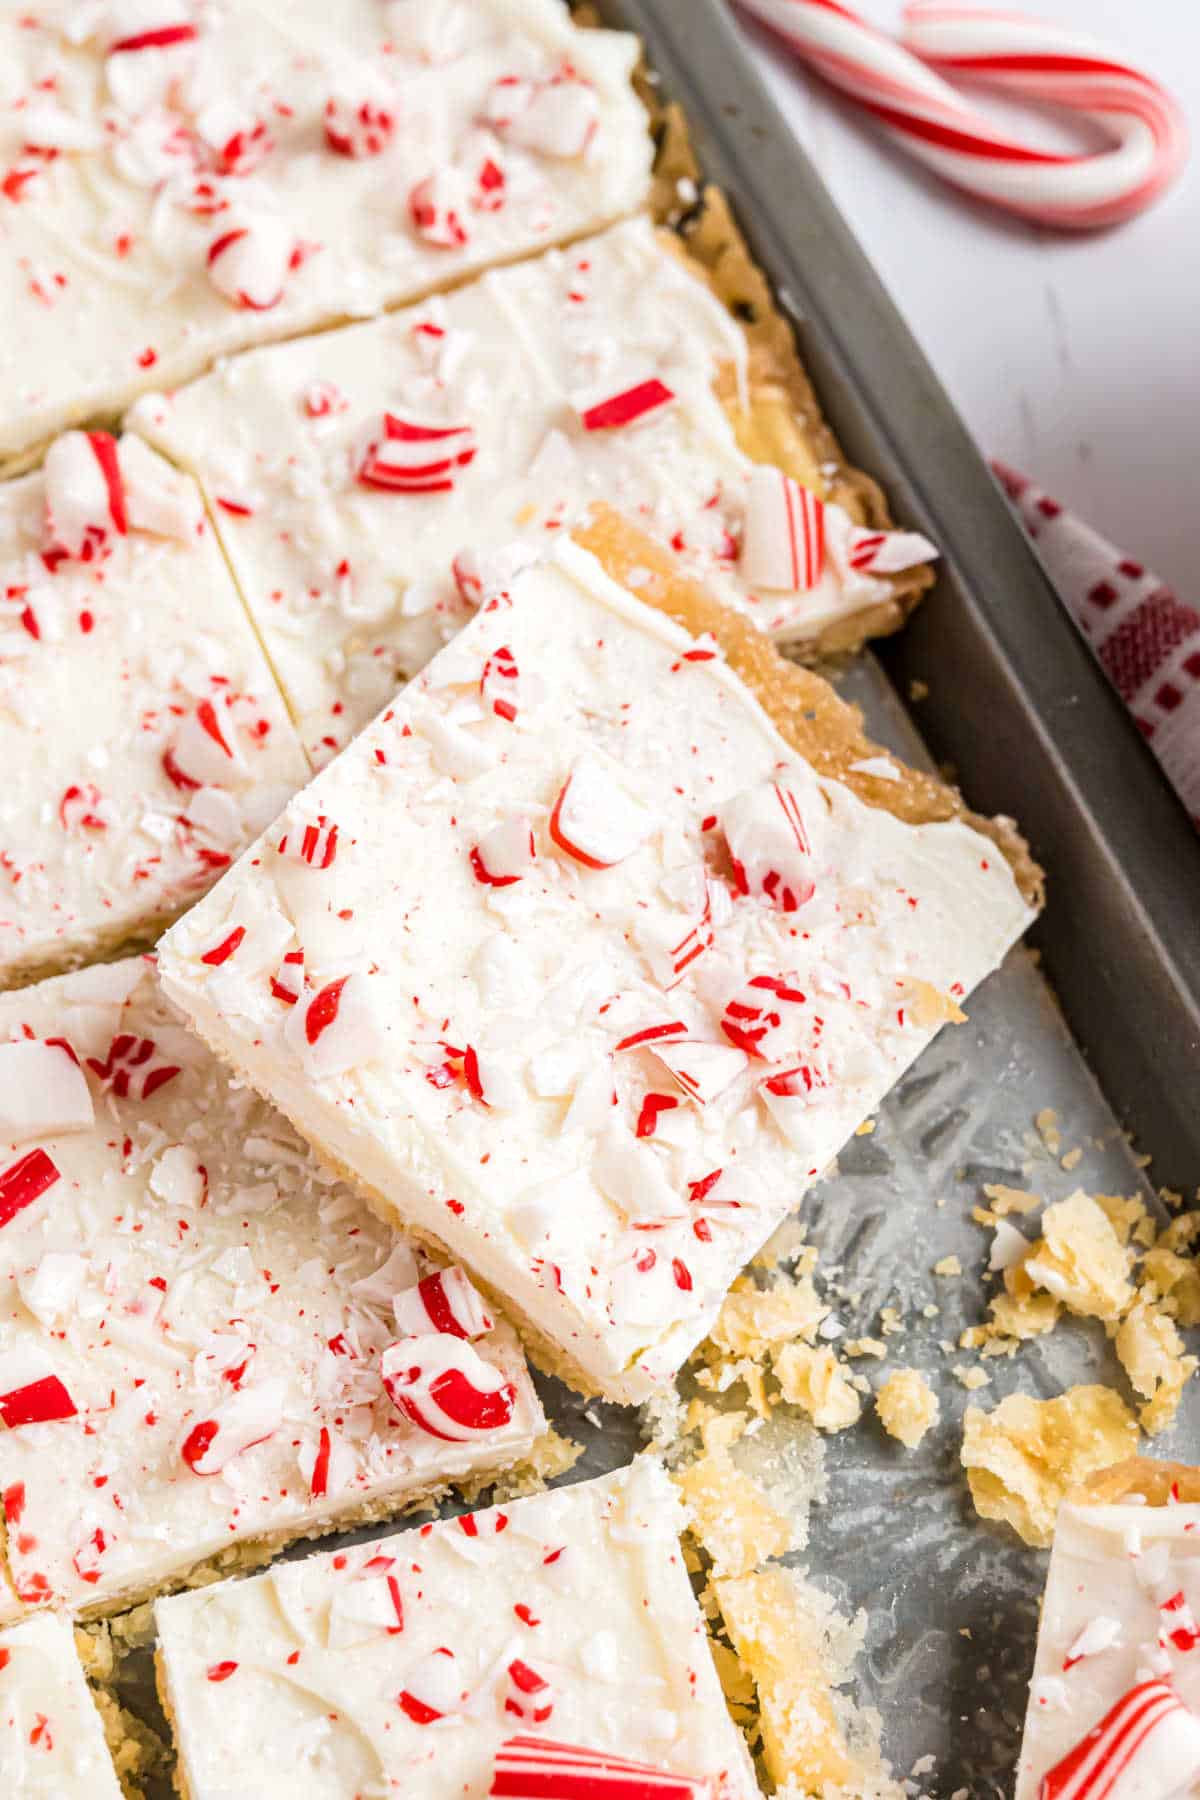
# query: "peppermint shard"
[[142, 737], [205, 1340], [1114, 1704], [603, 973], [51, 1736], [550, 1647], [180, 181]]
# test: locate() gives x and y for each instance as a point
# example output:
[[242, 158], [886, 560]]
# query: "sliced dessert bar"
[[596, 973], [531, 1650], [368, 484], [51, 1736], [1114, 1705], [181, 180], [196, 1323], [142, 736]]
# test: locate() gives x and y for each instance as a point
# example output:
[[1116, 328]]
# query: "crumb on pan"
[[1101, 1256], [907, 1407], [815, 1380], [1024, 1456]]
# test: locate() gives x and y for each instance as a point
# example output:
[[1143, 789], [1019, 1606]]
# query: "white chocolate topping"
[[605, 1077], [193, 1315], [390, 1668], [181, 181], [1120, 1612], [142, 736], [51, 1738], [353, 579]]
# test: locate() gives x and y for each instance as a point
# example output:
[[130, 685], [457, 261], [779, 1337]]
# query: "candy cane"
[[1147, 1743], [899, 84], [537, 1768]]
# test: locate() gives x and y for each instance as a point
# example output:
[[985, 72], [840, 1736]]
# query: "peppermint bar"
[[196, 1324], [51, 1738], [1114, 1704], [143, 738], [594, 973], [180, 181], [552, 1646], [369, 485]]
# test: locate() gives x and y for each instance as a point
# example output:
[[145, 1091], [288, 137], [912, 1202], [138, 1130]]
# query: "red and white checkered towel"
[[1146, 640]]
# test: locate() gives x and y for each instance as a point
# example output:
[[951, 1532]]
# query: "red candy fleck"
[[651, 1107], [161, 37], [625, 407], [318, 1484], [498, 684], [358, 130], [221, 1671], [323, 1009], [37, 1403], [198, 1440], [79, 808], [25, 1181], [653, 1033], [224, 950]]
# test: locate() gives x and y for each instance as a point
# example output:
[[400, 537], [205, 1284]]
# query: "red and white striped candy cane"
[[899, 84], [537, 1768], [1148, 1743]]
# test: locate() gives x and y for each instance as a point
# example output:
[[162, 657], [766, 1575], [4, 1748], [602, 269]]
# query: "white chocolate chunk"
[[404, 1664], [587, 1187]]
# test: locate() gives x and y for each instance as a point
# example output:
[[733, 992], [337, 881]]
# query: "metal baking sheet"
[[1018, 706]]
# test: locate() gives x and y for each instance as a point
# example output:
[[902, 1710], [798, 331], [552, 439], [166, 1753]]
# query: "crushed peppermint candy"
[[535, 1768], [1146, 1747], [445, 1387], [414, 458], [249, 262], [445, 1301], [783, 538]]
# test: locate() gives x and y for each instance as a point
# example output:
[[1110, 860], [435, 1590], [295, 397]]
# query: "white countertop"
[[1072, 357]]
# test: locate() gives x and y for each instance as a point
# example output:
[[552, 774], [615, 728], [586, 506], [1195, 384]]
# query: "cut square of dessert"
[[370, 485], [181, 181], [52, 1744], [195, 1321], [534, 1649], [597, 971], [1114, 1704], [142, 734]]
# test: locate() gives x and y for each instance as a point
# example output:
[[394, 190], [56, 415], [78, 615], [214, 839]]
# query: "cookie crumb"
[[907, 1407], [1022, 1457]]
